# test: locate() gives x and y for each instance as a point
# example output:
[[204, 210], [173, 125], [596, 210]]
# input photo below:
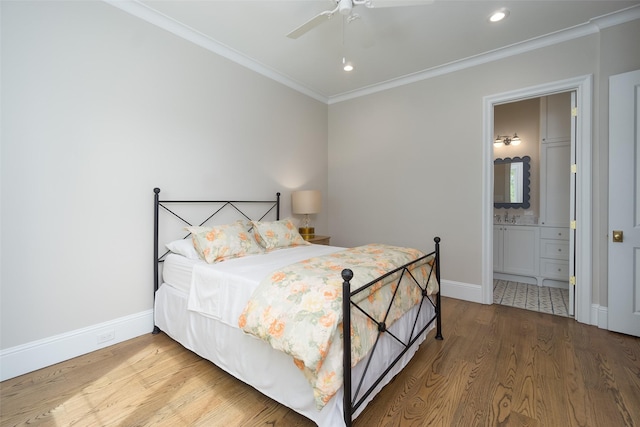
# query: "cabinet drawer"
[[554, 249], [554, 269], [557, 233]]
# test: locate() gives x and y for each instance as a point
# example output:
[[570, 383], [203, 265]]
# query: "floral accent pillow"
[[222, 242], [277, 234]]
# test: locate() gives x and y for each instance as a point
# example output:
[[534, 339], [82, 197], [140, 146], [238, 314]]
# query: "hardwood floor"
[[497, 366]]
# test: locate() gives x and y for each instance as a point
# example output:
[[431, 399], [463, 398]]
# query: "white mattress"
[[221, 290], [177, 271], [249, 359]]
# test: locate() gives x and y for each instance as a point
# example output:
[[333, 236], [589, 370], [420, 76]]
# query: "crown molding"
[[594, 26], [139, 10], [622, 16]]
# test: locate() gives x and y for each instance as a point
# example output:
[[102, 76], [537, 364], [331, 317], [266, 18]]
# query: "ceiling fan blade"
[[312, 23], [393, 3]]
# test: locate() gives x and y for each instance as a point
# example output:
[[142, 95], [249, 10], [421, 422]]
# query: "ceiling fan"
[[345, 7]]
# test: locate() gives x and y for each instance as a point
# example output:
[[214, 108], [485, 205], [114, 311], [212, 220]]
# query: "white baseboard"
[[600, 316], [463, 291], [35, 355], [529, 280], [473, 293]]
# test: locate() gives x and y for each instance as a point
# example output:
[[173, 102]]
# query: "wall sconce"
[[506, 140], [306, 202]]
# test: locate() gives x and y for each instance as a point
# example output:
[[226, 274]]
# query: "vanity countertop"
[[529, 222]]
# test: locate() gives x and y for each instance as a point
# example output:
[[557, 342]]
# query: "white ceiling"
[[388, 46]]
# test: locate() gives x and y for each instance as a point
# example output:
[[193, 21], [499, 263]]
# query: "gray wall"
[[98, 108], [406, 164]]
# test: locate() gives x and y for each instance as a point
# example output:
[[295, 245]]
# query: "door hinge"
[[572, 280], [574, 112], [572, 224], [574, 168]]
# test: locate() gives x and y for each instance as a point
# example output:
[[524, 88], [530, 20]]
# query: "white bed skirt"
[[270, 371]]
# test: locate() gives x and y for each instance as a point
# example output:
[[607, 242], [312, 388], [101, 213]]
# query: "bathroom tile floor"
[[531, 297]]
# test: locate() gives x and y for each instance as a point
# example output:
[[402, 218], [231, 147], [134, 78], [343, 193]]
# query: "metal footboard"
[[355, 394], [354, 397]]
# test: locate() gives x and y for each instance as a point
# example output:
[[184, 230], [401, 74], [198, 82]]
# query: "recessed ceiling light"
[[498, 15]]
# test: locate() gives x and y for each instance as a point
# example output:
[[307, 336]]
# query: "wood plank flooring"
[[497, 366]]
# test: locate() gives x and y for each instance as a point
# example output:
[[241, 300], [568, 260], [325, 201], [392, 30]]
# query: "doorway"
[[532, 257], [582, 88]]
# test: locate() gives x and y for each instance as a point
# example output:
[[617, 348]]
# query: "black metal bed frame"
[[351, 401], [157, 204]]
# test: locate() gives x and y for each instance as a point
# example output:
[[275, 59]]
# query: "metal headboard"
[[270, 205]]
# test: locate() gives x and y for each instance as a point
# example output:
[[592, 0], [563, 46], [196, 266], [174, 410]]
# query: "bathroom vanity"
[[534, 179], [531, 254]]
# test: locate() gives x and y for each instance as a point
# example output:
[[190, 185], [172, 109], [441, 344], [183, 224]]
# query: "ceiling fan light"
[[345, 7], [346, 65]]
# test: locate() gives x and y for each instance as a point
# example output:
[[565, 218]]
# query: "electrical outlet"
[[106, 336]]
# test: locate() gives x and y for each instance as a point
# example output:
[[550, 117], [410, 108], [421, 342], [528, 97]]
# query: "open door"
[[572, 208], [624, 203]]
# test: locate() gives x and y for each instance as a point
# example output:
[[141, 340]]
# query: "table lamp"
[[306, 202]]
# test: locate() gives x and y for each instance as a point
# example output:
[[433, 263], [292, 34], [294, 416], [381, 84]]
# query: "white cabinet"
[[539, 253], [554, 253], [555, 179], [498, 247], [555, 117], [516, 250], [555, 160]]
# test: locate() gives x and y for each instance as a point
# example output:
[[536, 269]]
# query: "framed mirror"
[[511, 181]]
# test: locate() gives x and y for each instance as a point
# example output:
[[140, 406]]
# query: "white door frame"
[[583, 87]]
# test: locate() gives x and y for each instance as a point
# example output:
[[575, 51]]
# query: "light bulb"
[[347, 66], [498, 15]]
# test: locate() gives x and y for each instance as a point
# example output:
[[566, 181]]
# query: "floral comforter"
[[298, 309]]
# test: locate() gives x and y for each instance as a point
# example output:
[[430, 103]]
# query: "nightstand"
[[319, 240]]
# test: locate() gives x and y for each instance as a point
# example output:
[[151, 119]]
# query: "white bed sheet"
[[222, 290], [255, 362], [177, 271]]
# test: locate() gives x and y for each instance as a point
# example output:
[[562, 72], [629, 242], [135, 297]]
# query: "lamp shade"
[[306, 202]]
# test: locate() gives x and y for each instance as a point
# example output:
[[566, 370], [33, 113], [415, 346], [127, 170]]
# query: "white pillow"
[[183, 247]]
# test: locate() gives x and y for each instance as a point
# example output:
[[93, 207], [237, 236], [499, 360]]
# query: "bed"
[[208, 307]]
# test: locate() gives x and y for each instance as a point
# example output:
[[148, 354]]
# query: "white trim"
[[583, 87], [463, 291], [35, 355], [529, 280], [600, 316], [140, 10], [625, 15], [472, 61]]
